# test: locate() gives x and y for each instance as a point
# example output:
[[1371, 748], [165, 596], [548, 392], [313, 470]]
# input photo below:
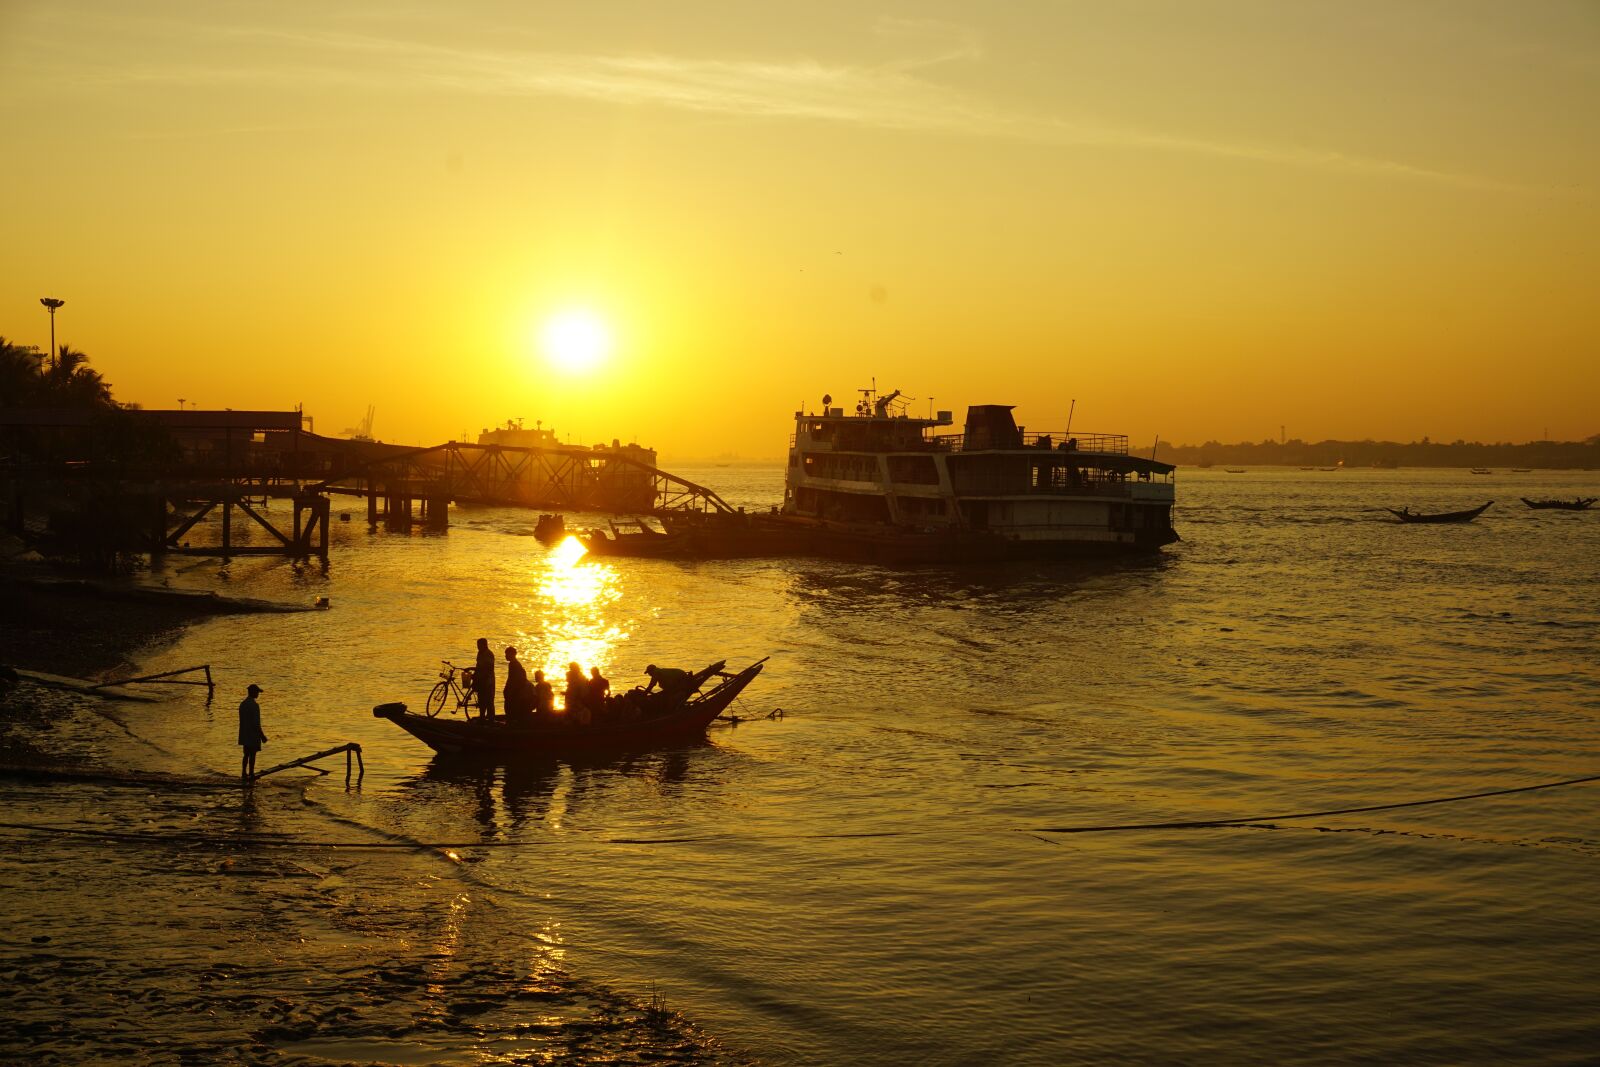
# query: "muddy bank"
[[72, 630], [206, 949], [164, 953]]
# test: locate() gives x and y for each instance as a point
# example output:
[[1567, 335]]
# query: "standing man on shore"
[[483, 679], [251, 736]]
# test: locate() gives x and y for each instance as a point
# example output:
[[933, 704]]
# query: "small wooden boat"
[[1234, 470], [550, 529], [634, 538], [1576, 504], [666, 720], [1481, 470], [1407, 515]]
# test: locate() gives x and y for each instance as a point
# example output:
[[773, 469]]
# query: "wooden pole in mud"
[[304, 761], [227, 491]]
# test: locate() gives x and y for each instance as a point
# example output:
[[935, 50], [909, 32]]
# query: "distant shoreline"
[[1538, 455]]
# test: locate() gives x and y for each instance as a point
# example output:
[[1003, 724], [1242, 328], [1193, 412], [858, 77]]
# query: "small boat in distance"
[[1407, 515], [1576, 504], [550, 528], [1481, 470], [1234, 470], [666, 720]]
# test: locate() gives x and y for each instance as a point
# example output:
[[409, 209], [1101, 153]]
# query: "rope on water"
[[189, 837], [1201, 823]]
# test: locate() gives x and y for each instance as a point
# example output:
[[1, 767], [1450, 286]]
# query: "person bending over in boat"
[[483, 679], [671, 680], [519, 695]]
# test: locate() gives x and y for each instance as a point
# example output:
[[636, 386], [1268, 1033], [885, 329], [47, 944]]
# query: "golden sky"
[[1200, 220]]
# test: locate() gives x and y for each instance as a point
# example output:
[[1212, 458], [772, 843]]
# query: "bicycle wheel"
[[436, 699]]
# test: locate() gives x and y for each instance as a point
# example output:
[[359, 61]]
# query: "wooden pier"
[[417, 486], [233, 467]]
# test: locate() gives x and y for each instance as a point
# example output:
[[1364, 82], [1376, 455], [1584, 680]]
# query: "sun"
[[575, 341]]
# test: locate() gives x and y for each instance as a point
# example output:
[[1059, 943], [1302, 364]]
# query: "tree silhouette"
[[25, 381]]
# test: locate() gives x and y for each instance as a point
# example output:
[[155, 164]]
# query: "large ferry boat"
[[890, 486]]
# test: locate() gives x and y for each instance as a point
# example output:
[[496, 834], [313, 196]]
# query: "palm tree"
[[21, 374], [74, 382]]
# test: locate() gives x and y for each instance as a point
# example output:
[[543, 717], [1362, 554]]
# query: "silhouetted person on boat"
[[251, 736], [599, 688], [577, 687], [544, 695], [518, 691], [483, 679], [670, 679]]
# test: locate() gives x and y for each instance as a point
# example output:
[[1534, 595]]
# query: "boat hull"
[[1580, 504], [1448, 516], [499, 739], [793, 536]]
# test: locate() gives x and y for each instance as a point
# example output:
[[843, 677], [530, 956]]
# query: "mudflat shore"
[[77, 631], [157, 950]]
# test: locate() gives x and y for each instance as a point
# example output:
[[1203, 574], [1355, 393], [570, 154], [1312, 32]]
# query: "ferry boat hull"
[[880, 485]]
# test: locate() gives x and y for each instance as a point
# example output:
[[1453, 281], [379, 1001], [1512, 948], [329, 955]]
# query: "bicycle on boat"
[[455, 684]]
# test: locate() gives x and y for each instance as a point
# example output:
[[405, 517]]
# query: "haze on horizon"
[[1199, 220]]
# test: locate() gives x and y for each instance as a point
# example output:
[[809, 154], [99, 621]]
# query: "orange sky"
[[1200, 220]]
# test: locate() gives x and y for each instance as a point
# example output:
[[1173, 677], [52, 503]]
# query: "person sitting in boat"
[[577, 687], [599, 688], [544, 696], [577, 696], [519, 694]]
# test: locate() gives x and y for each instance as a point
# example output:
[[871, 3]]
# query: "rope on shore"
[[183, 837]]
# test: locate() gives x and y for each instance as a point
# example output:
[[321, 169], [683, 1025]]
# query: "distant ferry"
[[889, 486], [513, 434], [606, 486]]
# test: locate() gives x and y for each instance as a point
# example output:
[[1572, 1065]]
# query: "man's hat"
[[253, 688]]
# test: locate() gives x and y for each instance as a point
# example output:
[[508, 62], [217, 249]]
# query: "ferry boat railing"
[[1112, 444], [1095, 487]]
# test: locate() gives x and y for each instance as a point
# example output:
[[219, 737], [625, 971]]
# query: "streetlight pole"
[[51, 303]]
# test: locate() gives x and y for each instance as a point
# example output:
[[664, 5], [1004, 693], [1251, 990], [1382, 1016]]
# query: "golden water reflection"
[[575, 613]]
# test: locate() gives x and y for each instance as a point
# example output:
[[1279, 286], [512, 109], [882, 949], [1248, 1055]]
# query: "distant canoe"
[[1481, 470], [1576, 504], [1234, 470], [1407, 515]]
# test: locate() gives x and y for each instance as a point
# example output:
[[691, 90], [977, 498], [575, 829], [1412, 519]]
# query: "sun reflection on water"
[[576, 612]]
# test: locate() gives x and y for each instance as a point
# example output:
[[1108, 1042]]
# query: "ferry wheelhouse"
[[878, 478]]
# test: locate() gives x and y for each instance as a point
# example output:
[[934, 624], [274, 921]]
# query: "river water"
[[876, 877]]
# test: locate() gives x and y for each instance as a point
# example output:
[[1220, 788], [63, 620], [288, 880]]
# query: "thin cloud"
[[890, 96]]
